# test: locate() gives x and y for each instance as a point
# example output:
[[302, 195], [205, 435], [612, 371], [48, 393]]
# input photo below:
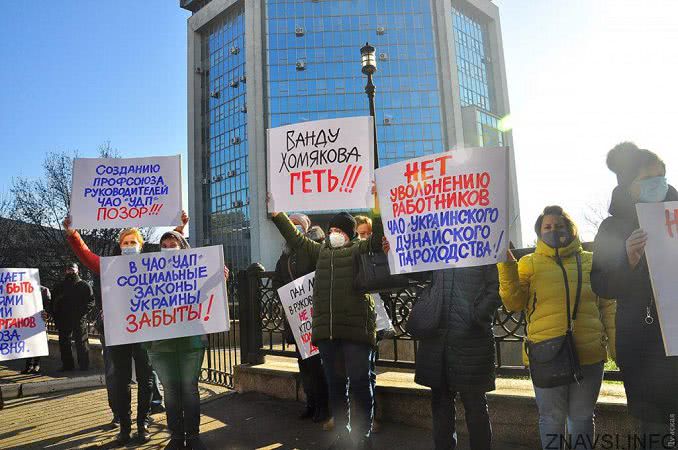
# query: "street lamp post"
[[369, 66]]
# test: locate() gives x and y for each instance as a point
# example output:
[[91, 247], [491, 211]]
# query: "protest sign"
[[660, 222], [129, 192], [164, 295], [297, 300], [321, 165], [22, 330], [445, 210]]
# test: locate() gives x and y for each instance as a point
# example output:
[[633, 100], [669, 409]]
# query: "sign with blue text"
[[126, 192], [22, 330], [321, 165], [297, 301], [660, 222], [164, 295], [445, 210]]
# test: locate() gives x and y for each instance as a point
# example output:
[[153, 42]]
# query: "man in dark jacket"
[[71, 305], [460, 357]]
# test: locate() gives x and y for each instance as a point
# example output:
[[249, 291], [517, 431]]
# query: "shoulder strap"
[[567, 289], [579, 285]]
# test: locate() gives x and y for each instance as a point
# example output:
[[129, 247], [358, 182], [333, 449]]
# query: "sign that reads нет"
[[22, 330], [297, 300], [164, 295], [660, 222], [445, 210], [321, 165], [126, 192]]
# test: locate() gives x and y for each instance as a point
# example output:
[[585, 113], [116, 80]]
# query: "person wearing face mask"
[[73, 300], [130, 242], [542, 284], [343, 326], [291, 265], [620, 270], [178, 362]]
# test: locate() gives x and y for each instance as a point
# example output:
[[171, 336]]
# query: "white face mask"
[[130, 250], [337, 240], [169, 249]]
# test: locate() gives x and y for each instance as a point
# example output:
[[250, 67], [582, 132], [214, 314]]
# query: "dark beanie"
[[183, 243], [625, 161], [345, 222]]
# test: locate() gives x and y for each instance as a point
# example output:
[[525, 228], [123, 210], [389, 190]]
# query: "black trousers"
[[314, 384], [77, 332], [122, 356], [477, 419]]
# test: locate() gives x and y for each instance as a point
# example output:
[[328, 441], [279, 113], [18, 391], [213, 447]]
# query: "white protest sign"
[[660, 222], [164, 295], [321, 165], [22, 330], [445, 210], [126, 192], [297, 300]]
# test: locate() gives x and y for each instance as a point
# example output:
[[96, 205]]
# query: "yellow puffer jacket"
[[535, 284]]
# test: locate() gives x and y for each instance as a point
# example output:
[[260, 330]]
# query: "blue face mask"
[[129, 250], [653, 189]]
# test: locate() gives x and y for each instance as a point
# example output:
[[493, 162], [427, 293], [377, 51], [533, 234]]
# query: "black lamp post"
[[369, 63]]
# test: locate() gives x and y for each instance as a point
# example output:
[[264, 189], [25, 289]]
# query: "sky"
[[582, 75]]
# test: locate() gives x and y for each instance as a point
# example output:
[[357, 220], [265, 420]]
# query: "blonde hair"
[[127, 232], [361, 220]]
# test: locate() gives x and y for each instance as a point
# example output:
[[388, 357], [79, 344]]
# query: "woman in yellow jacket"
[[536, 285]]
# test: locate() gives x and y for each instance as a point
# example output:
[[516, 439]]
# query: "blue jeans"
[[572, 405], [347, 363], [178, 373]]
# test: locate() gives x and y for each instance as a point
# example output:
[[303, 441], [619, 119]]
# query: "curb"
[[18, 390]]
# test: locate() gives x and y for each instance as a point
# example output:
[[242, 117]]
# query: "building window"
[[489, 133], [470, 39], [225, 158], [331, 85]]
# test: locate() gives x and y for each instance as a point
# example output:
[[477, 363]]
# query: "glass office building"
[[259, 64]]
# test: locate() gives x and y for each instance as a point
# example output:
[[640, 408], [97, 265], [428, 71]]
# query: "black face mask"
[[557, 238], [71, 277]]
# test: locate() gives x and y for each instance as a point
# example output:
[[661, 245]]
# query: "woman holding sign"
[[130, 241], [568, 327], [344, 328], [620, 270]]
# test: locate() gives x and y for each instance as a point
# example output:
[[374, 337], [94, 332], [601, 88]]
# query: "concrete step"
[[512, 406]]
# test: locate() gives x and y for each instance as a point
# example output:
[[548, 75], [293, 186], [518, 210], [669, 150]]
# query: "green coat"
[[182, 344], [339, 312]]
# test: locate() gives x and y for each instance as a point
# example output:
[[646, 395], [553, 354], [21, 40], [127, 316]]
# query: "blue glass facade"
[[225, 137], [472, 61], [313, 68]]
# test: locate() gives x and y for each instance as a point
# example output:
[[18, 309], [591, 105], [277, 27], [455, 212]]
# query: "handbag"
[[424, 318], [372, 274], [554, 362]]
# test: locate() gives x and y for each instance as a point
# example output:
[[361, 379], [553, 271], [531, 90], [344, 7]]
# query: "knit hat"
[[183, 243], [302, 219], [316, 233], [345, 222]]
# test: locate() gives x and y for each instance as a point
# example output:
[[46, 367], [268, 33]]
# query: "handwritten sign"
[[297, 300], [660, 222], [22, 330], [321, 165], [445, 210], [129, 192], [164, 295]]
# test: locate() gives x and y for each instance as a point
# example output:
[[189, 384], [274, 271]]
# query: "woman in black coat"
[[620, 271], [460, 358]]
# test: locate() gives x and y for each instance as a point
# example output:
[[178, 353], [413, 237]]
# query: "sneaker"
[[36, 369], [157, 409], [329, 425], [195, 444], [115, 423], [142, 434], [175, 444], [28, 369]]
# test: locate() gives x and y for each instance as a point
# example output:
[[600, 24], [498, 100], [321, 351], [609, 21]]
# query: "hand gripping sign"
[[163, 295], [22, 330], [297, 300], [126, 192], [321, 165], [660, 222], [445, 210]]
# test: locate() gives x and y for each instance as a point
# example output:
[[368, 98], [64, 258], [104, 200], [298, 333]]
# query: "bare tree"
[[41, 204], [594, 215]]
